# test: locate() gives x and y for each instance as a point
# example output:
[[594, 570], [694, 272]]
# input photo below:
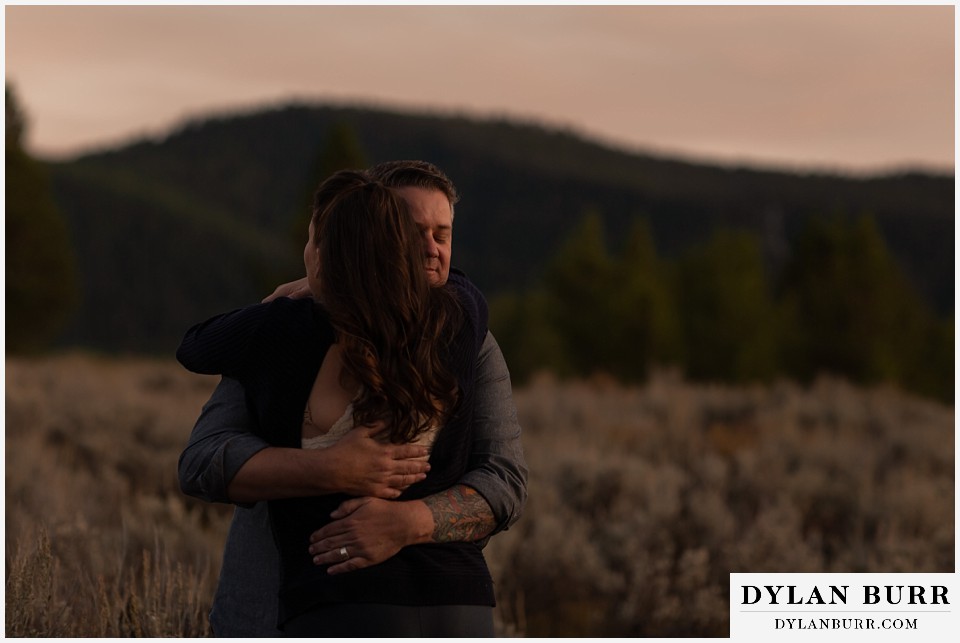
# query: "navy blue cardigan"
[[275, 351]]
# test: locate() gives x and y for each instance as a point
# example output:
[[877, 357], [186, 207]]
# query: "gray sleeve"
[[498, 470], [221, 442]]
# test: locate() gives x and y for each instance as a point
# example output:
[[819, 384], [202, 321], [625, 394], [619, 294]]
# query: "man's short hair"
[[418, 174]]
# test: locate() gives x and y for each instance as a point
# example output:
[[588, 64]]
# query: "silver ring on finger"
[[343, 553]]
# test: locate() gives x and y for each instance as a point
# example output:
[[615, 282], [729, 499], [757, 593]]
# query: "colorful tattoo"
[[460, 514]]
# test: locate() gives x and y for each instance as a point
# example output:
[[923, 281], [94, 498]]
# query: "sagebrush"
[[642, 499]]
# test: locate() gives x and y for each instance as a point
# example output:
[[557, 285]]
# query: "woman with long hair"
[[377, 343]]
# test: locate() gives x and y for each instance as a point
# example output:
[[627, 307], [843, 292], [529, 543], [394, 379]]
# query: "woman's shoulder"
[[472, 301], [303, 312], [467, 292]]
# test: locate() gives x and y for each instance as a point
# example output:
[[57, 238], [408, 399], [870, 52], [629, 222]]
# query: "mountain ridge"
[[524, 188]]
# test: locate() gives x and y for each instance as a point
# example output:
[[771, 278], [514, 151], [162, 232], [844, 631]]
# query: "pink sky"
[[856, 88]]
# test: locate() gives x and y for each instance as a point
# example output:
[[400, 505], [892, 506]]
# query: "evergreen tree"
[[929, 369], [341, 150], [528, 342], [578, 291], [41, 282], [643, 320], [727, 314], [850, 308]]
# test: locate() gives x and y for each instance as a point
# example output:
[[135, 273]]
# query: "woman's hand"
[[368, 531], [294, 290]]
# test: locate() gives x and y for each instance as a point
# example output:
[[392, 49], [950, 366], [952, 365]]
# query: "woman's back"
[[330, 397]]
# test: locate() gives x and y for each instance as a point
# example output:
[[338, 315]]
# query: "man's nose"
[[430, 247]]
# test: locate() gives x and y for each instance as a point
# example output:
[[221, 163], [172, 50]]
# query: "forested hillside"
[[169, 231]]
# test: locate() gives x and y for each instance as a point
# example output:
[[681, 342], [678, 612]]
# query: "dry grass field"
[[642, 500]]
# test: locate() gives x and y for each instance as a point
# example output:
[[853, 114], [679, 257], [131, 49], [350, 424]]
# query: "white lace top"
[[345, 424]]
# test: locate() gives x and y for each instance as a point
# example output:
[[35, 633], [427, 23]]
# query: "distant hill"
[[170, 231]]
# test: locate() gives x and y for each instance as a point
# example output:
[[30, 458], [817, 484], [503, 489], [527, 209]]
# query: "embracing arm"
[[224, 344], [220, 443], [491, 495], [373, 530], [459, 514], [358, 464], [225, 462], [497, 469]]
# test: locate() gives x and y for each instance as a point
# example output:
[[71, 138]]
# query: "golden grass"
[[642, 500], [99, 540]]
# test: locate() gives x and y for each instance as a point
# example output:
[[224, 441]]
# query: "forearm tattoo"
[[460, 514]]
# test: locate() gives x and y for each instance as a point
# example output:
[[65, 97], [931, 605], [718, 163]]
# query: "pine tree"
[[341, 150], [528, 341], [850, 308], [41, 283], [727, 314], [578, 285], [643, 319]]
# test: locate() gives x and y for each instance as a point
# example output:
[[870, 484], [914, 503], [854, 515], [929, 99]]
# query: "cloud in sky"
[[856, 87]]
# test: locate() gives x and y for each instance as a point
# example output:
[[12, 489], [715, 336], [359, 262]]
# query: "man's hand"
[[370, 530], [368, 467], [373, 530], [294, 290], [359, 465]]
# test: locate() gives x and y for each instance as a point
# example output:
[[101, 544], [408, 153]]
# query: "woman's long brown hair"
[[393, 327]]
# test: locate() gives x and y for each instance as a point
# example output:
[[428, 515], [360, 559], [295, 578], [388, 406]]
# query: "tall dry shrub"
[[642, 499], [99, 540]]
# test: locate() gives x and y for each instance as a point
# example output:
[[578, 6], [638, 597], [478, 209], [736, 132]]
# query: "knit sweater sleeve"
[[220, 345], [475, 310], [236, 342]]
